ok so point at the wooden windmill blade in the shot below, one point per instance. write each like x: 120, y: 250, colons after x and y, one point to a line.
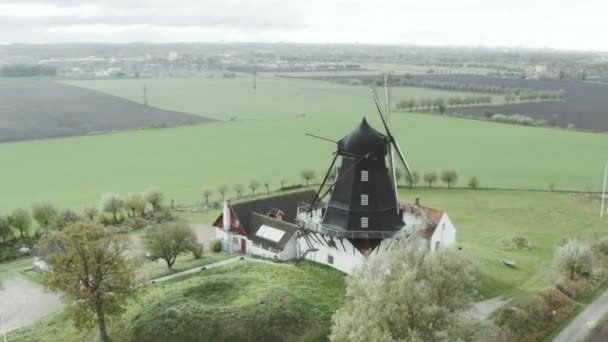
x: 390, y: 135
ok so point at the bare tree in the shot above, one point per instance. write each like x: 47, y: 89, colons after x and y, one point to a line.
x: 267, y: 186
x: 307, y: 175
x: 44, y: 214
x: 206, y: 193
x: 449, y: 177
x: 238, y: 188
x: 222, y: 190
x: 90, y: 212
x: 20, y: 219
x: 430, y: 178
x: 112, y: 203
x: 412, y: 179
x: 253, y: 185
x: 154, y: 197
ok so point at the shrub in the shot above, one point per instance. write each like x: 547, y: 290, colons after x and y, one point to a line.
x: 135, y: 223
x: 215, y: 246
x: 197, y: 250
x: 574, y: 259
x: 602, y: 247
x: 517, y: 242
x: 533, y: 316
x: 162, y: 215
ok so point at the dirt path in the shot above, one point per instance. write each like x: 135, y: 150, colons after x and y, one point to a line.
x: 214, y: 265
x: 580, y: 327
x: 23, y: 302
x: 487, y: 307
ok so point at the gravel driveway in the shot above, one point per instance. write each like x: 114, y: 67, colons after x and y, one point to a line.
x: 23, y: 302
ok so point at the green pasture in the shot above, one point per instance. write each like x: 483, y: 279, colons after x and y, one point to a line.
x: 224, y: 98
x: 483, y: 218
x: 71, y: 172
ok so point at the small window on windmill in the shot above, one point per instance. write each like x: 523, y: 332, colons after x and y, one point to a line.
x: 364, y: 222
x: 364, y: 199
x: 330, y: 259
x: 364, y: 176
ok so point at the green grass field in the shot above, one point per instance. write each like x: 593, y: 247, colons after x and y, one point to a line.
x: 71, y: 172
x: 223, y: 98
x: 243, y: 302
x: 484, y: 217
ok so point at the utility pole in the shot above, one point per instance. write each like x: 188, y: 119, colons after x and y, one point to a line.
x: 255, y: 76
x: 145, y: 95
x: 604, y: 190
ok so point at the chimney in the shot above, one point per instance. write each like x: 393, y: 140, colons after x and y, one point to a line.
x: 417, y: 201
x: 226, y: 216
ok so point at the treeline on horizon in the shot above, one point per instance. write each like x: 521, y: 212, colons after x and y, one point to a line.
x: 27, y: 70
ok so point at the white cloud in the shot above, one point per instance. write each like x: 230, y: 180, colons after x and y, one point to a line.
x: 538, y: 23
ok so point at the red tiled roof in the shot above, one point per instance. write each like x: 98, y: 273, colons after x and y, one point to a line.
x: 432, y: 215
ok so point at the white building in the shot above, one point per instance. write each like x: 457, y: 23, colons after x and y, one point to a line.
x: 264, y: 227
x: 434, y: 225
x: 279, y: 227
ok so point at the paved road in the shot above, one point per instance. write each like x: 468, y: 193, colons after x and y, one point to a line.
x: 580, y: 327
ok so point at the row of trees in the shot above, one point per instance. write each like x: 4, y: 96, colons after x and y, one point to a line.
x: 49, y: 218
x: 442, y: 104
x: 449, y: 177
x: 134, y: 205
x: 239, y: 190
x: 535, y: 95
x: 472, y: 87
x: 27, y: 70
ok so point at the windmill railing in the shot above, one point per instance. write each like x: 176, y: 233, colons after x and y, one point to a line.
x: 324, y: 229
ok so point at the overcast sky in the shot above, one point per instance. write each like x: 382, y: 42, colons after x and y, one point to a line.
x: 562, y: 24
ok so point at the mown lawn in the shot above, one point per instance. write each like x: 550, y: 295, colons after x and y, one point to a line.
x: 241, y: 302
x: 72, y: 172
x: 484, y: 217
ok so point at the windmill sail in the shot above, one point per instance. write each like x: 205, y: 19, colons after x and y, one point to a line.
x: 390, y: 135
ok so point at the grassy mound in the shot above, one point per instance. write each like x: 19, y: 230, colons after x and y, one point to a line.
x: 247, y: 301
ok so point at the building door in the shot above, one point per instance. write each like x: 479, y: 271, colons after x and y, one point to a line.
x: 243, y: 246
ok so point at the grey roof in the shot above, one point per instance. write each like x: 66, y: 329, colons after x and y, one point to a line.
x: 258, y: 220
x: 287, y: 203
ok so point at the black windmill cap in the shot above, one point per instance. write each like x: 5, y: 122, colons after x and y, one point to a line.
x: 363, y: 141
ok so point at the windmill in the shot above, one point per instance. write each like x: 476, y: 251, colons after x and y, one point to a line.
x: 363, y: 206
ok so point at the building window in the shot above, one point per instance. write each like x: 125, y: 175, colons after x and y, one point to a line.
x: 330, y: 259
x: 437, y: 245
x: 364, y: 176
x: 364, y: 199
x: 235, y: 240
x: 364, y: 222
